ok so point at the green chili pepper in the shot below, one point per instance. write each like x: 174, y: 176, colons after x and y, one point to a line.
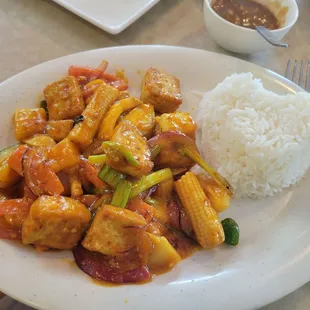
x: 231, y: 230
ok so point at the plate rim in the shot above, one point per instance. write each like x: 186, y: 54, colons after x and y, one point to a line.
x: 274, y: 74
x: 294, y: 86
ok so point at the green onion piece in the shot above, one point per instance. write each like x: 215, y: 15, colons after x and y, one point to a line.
x: 195, y: 156
x: 231, y: 230
x: 110, y: 176
x: 121, y: 194
x: 97, y: 159
x: 150, y: 180
x: 155, y: 151
x: 123, y: 150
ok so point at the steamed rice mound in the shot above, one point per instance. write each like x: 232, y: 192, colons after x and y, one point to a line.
x: 258, y: 140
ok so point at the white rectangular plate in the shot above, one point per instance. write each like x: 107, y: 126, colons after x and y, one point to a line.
x: 112, y: 16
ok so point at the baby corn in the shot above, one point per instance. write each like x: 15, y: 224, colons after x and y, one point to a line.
x: 207, y: 226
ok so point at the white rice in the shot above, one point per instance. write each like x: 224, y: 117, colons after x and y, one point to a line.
x: 258, y: 140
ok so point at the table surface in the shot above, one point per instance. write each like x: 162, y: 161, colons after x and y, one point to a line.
x: 34, y: 31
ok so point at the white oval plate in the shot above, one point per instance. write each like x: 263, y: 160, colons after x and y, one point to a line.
x: 274, y: 253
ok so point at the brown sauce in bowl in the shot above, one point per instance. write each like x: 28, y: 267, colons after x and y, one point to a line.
x: 246, y: 13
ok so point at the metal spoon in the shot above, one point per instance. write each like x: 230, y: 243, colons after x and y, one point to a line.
x: 269, y: 37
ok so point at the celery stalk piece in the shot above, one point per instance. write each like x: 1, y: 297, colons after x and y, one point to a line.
x: 150, y: 180
x: 110, y: 176
x: 121, y: 194
x: 97, y: 159
x: 196, y: 157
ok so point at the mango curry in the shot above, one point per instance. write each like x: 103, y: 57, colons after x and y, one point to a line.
x: 107, y: 175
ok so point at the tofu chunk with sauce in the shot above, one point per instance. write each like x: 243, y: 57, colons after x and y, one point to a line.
x: 127, y: 135
x: 64, y: 155
x: 114, y: 231
x: 178, y: 121
x: 55, y: 222
x: 161, y: 90
x: 58, y: 130
x: 64, y: 99
x: 28, y: 122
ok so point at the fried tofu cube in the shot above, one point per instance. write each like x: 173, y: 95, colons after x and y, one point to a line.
x: 162, y: 90
x: 58, y: 130
x: 127, y: 135
x: 64, y: 99
x: 114, y: 231
x: 178, y: 121
x: 55, y: 222
x: 29, y: 122
x: 64, y: 154
x: 83, y: 133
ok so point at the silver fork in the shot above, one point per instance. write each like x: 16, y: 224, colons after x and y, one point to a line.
x: 299, y: 73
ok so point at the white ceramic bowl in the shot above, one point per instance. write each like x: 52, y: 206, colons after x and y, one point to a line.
x: 244, y: 40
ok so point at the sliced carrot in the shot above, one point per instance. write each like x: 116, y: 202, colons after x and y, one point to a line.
x: 65, y: 181
x: 39, y: 177
x: 91, y: 174
x: 28, y: 194
x: 103, y: 66
x: 90, y: 88
x: 139, y: 206
x: 11, y: 205
x: 115, y: 81
x: 89, y: 73
x: 110, y: 77
x: 150, y: 213
x: 8, y: 231
x: 16, y: 159
x: 15, y: 211
x: 82, y: 80
x: 87, y: 200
